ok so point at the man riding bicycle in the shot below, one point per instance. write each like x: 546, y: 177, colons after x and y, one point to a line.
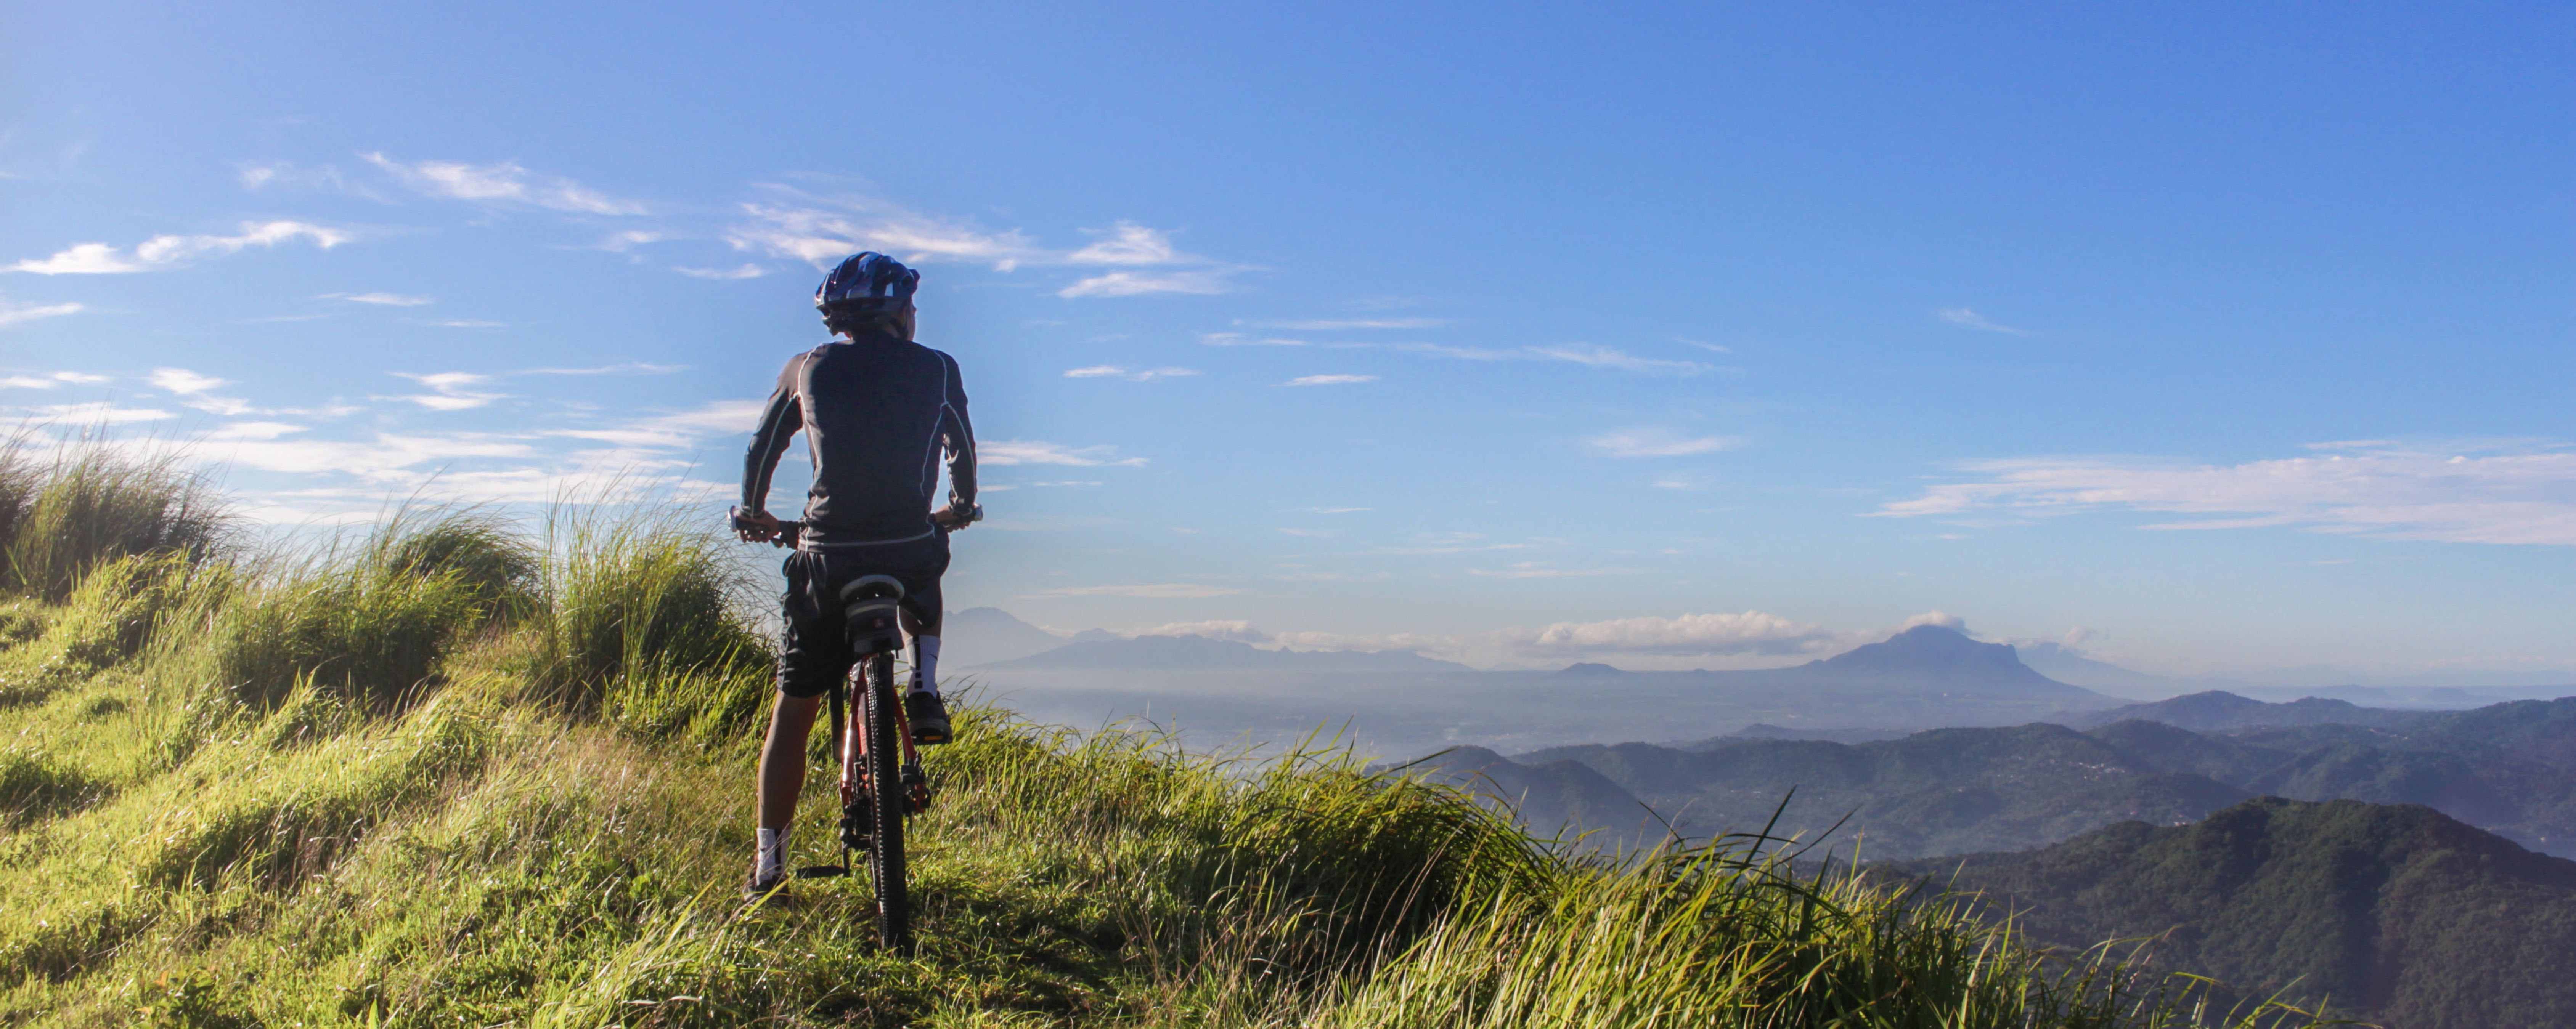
x: 877, y: 409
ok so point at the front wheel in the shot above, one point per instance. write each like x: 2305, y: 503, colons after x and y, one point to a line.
x: 887, y: 801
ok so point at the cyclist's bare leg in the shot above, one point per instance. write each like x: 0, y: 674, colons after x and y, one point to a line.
x: 782, y: 759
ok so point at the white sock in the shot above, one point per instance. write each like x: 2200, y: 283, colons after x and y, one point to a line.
x: 770, y: 860
x: 925, y: 665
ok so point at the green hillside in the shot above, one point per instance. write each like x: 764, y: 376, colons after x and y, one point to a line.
x: 451, y: 773
x: 2412, y: 917
x: 1946, y: 791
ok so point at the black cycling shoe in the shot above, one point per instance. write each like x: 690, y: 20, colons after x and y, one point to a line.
x: 766, y: 891
x: 929, y: 717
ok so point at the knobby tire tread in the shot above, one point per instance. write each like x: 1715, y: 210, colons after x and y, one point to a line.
x: 887, y: 800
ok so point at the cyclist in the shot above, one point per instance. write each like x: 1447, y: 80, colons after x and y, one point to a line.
x: 876, y: 409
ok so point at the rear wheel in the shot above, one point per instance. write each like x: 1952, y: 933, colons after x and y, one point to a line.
x: 887, y: 801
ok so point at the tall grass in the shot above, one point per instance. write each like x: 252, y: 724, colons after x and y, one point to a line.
x: 444, y: 774
x: 94, y: 504
x: 644, y: 616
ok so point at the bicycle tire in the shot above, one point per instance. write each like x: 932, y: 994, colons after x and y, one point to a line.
x: 887, y: 801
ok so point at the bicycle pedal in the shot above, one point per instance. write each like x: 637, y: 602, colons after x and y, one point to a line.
x: 822, y: 871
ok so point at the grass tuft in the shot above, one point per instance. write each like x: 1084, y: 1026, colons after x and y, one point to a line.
x: 96, y: 504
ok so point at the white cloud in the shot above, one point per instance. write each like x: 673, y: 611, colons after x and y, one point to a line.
x: 1610, y: 357
x: 1650, y: 442
x: 1155, y: 591
x: 185, y: 382
x: 12, y: 314
x: 1965, y: 318
x: 2519, y: 492
x: 823, y: 236
x: 1328, y: 380
x: 621, y: 242
x: 99, y: 413
x: 472, y: 323
x: 1943, y: 619
x: 380, y: 299
x: 1111, y: 371
x: 253, y: 430
x: 1236, y: 339
x: 80, y: 378
x: 1746, y: 639
x: 1232, y: 631
x: 735, y: 273
x: 26, y: 382
x: 1461, y: 353
x: 503, y: 183
x: 1128, y: 284
x: 82, y: 259
x: 1338, y: 324
x: 1018, y: 452
x: 678, y: 430
x: 169, y: 251
x: 449, y: 391
x: 1129, y: 243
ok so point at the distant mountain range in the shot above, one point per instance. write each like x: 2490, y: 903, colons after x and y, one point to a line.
x: 2510, y: 768
x: 1399, y: 702
x: 2395, y: 912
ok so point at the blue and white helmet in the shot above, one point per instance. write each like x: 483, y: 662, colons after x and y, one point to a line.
x: 866, y: 283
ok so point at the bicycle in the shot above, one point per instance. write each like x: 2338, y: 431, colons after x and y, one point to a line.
x: 873, y: 744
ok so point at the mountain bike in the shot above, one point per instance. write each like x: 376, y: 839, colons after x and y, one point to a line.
x: 881, y: 778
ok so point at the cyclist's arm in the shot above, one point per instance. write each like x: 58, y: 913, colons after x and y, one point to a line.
x: 957, y: 435
x: 779, y: 421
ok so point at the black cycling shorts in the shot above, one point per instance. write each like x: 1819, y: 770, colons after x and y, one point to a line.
x: 813, y: 646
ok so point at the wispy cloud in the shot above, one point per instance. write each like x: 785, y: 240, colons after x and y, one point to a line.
x: 1746, y: 639
x: 821, y: 231
x: 1236, y: 339
x: 1129, y: 244
x: 184, y: 382
x: 1340, y: 324
x: 502, y: 184
x: 1111, y: 371
x: 1655, y: 442
x: 1967, y: 319
x: 173, y: 251
x: 12, y: 314
x: 1128, y: 284
x: 449, y: 391
x: 2518, y: 492
x: 472, y: 323
x: 1612, y: 357
x: 1152, y: 591
x: 379, y: 299
x: 1019, y: 452
x: 735, y: 273
x: 1328, y: 380
x: 99, y: 413
x: 621, y: 242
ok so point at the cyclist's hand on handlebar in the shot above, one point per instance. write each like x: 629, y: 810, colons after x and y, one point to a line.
x: 756, y: 527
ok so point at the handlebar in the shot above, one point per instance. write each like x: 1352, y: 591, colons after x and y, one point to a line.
x: 789, y: 531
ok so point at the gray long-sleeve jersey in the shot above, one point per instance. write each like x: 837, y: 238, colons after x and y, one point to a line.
x: 877, y: 411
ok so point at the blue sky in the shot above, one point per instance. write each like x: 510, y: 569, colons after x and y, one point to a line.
x: 2226, y: 341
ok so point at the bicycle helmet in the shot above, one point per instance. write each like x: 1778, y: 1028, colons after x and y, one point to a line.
x: 866, y: 283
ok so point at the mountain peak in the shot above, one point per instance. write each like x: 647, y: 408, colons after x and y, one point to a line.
x: 1591, y: 668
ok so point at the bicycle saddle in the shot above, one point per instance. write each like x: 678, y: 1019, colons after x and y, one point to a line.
x: 873, y: 605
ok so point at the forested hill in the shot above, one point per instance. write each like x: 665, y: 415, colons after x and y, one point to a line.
x: 2394, y: 909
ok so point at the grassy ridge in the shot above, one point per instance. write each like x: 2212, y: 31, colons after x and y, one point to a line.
x: 451, y: 775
